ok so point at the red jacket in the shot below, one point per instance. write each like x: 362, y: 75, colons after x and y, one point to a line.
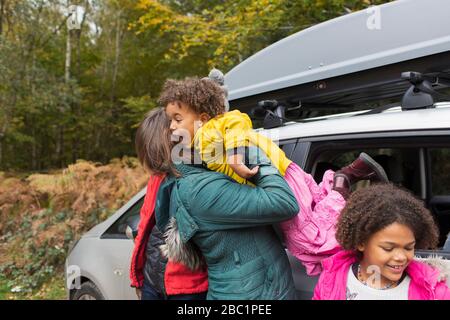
x: 178, y: 279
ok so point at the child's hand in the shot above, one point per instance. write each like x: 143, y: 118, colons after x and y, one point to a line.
x: 243, y: 171
x: 235, y: 162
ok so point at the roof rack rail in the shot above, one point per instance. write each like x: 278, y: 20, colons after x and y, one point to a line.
x: 273, y: 113
x: 421, y: 93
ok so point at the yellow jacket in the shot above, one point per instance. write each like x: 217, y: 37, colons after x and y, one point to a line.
x: 229, y: 131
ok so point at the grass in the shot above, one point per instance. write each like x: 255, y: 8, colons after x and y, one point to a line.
x: 54, y: 289
x: 4, y: 290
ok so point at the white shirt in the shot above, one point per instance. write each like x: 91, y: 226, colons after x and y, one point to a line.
x: 359, y: 291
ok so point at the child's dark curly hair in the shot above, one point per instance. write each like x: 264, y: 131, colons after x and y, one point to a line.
x: 201, y: 95
x: 371, y: 209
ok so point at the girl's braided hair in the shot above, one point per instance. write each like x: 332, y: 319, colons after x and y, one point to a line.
x: 371, y: 209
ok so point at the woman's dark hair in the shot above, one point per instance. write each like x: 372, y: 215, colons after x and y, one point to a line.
x: 153, y: 143
x: 201, y: 95
x: 371, y: 209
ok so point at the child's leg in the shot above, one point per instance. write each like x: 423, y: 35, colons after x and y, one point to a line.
x: 310, y: 236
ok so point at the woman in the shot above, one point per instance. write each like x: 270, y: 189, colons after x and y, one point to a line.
x: 153, y: 276
x: 228, y: 223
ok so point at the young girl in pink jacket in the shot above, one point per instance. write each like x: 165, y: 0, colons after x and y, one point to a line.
x: 379, y: 228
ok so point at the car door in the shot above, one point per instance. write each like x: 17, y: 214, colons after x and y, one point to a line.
x: 117, y: 249
x: 304, y: 284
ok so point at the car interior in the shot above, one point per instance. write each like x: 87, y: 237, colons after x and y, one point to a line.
x: 427, y: 179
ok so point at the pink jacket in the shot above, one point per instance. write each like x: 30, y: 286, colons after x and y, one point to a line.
x: 310, y: 235
x: 427, y: 282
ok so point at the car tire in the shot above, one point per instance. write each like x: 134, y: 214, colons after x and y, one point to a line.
x: 88, y: 291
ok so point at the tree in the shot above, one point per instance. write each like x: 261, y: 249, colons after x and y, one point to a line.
x: 223, y: 33
x: 66, y: 95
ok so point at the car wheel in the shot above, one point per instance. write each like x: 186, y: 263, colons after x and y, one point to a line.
x: 88, y: 291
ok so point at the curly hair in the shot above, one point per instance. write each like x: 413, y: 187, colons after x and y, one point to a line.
x: 201, y: 95
x: 371, y: 209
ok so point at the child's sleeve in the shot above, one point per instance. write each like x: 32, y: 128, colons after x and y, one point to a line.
x: 442, y: 291
x: 223, y: 204
x: 238, y: 128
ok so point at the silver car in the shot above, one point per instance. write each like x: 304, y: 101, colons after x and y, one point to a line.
x: 413, y: 146
x: 97, y: 266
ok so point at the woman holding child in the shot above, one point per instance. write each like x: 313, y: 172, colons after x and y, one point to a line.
x: 230, y: 224
x: 209, y: 218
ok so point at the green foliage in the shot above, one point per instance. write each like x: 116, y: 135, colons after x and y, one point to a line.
x: 4, y: 289
x: 120, y: 58
x: 36, y: 262
x: 223, y: 33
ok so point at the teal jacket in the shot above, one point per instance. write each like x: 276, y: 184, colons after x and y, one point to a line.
x: 231, y: 224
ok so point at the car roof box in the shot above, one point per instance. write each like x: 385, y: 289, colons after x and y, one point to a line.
x: 350, y: 60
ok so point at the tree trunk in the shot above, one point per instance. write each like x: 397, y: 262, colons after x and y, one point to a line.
x: 68, y: 57
x: 1, y: 152
x: 2, y: 12
x: 76, y: 105
x: 10, y: 105
x: 33, y: 92
x: 77, y: 111
x: 60, y: 138
x: 116, y: 59
x: 86, y: 8
x: 2, y: 137
x: 34, y: 151
x: 60, y: 146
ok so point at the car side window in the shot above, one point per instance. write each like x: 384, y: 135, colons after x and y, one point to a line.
x: 129, y: 218
x: 440, y: 171
x: 404, y: 163
x: 401, y: 165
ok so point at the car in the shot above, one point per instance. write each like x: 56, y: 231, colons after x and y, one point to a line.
x: 97, y: 265
x: 386, y: 97
x: 413, y: 147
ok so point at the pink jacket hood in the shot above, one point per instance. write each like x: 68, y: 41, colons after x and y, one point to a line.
x: 428, y: 278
